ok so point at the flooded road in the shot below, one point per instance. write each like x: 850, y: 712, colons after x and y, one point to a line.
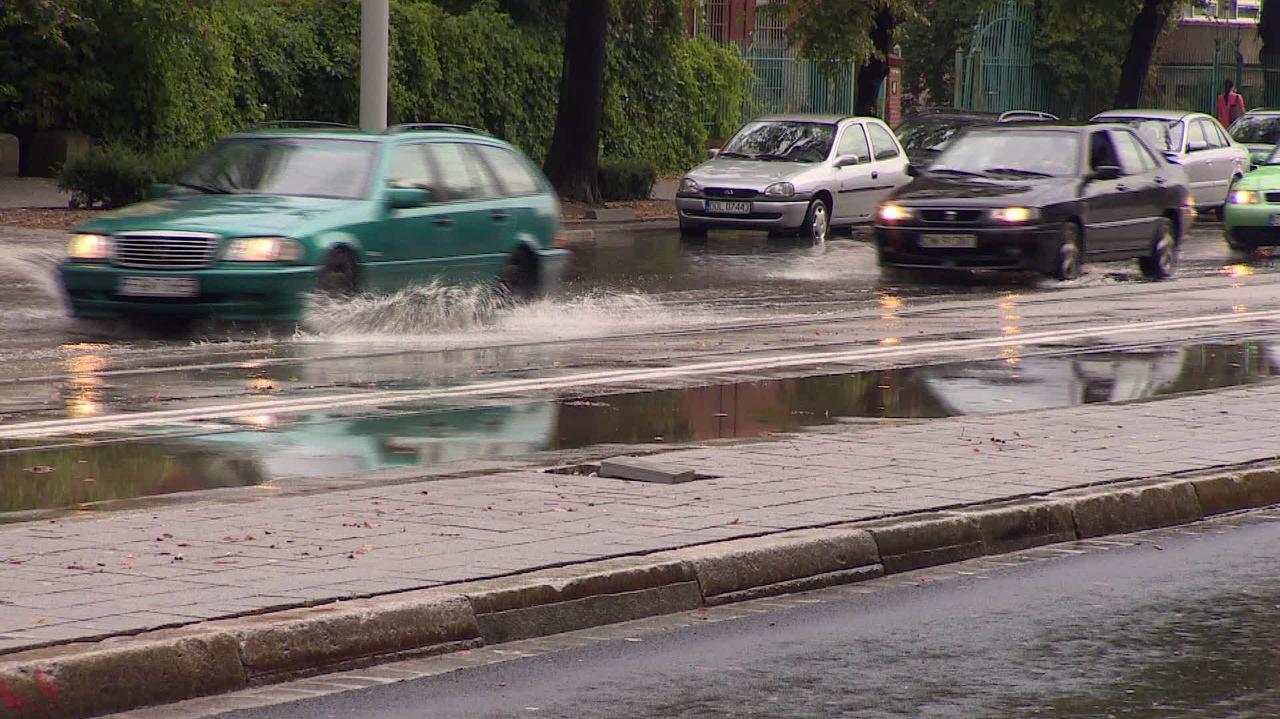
x: 1175, y: 624
x: 652, y: 342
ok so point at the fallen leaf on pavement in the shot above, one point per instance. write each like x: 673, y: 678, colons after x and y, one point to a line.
x: 40, y: 469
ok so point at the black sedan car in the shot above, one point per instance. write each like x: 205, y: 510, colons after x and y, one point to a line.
x: 1039, y: 198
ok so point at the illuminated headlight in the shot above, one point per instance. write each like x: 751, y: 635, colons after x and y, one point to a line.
x: 1014, y: 215
x: 86, y: 247
x: 1243, y: 197
x: 894, y: 213
x: 690, y: 186
x: 263, y: 249
x: 780, y: 189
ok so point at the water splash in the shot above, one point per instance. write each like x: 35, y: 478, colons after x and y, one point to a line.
x: 439, y: 313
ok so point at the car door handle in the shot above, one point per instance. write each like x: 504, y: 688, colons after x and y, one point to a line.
x: 875, y: 175
x: 500, y: 216
x: 444, y: 221
x: 1160, y: 180
x: 1122, y: 188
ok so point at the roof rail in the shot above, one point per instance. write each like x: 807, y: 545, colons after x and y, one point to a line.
x: 300, y: 123
x: 449, y: 127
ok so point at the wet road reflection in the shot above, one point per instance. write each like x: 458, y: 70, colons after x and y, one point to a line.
x: 258, y: 448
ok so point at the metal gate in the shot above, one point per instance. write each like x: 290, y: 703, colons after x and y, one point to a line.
x: 999, y: 73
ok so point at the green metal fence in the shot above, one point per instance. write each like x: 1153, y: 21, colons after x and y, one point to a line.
x: 998, y: 72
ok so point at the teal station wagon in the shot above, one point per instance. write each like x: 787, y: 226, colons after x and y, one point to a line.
x: 268, y: 216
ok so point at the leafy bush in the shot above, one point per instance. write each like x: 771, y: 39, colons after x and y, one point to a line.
x: 113, y: 175
x: 623, y: 179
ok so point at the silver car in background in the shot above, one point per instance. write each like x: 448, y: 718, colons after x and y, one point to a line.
x: 794, y: 174
x: 1197, y: 142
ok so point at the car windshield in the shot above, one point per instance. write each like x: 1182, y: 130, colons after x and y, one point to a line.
x: 1163, y: 135
x: 295, y: 166
x: 782, y: 141
x: 931, y: 135
x: 1011, y: 154
x: 1256, y: 130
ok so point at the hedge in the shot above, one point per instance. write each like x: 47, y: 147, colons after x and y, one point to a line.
x: 626, y: 179
x: 178, y: 74
x: 114, y: 174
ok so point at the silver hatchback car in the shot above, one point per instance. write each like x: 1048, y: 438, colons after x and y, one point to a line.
x: 1197, y: 142
x: 794, y: 174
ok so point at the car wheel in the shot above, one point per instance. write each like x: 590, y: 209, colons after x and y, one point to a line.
x: 1163, y: 260
x: 1068, y: 260
x: 339, y: 276
x: 519, y: 278
x: 817, y: 222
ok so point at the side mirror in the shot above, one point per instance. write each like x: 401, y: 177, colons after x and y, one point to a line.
x: 1105, y: 172
x: 1172, y: 157
x: 847, y: 160
x: 405, y: 198
x: 913, y: 170
x: 711, y: 154
x: 159, y: 191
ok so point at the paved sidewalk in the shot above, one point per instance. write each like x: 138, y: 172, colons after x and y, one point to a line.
x: 16, y: 192
x: 124, y: 572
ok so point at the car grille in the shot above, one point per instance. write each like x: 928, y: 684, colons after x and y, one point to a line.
x: 950, y: 217
x: 170, y: 251
x: 730, y: 193
x: 1273, y: 196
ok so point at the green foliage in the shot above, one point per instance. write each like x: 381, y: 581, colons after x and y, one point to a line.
x: 181, y: 73
x: 660, y: 85
x: 832, y: 33
x: 113, y: 175
x: 930, y: 39
x: 1082, y: 44
x: 625, y: 179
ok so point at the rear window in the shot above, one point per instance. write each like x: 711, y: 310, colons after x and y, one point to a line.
x: 1163, y: 135
x: 931, y: 135
x: 1257, y: 130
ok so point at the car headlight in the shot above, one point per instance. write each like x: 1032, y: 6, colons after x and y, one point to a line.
x: 1243, y: 197
x: 890, y: 212
x: 780, y: 189
x: 1015, y: 215
x: 87, y: 247
x: 690, y: 186
x: 263, y: 249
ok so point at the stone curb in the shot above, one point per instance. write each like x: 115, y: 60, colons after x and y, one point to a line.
x: 86, y: 679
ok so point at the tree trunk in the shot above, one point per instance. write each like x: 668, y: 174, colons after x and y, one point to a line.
x: 872, y: 74
x: 1269, y: 33
x: 1147, y: 27
x: 574, y: 156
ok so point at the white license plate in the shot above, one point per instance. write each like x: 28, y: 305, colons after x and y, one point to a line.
x: 949, y: 241
x: 730, y: 208
x: 135, y: 286
x: 1275, y: 219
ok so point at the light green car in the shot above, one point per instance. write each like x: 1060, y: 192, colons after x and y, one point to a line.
x: 266, y: 217
x: 1252, y: 217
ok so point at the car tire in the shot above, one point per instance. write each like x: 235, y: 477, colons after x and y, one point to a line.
x: 817, y: 222
x: 1068, y: 255
x: 519, y: 279
x: 1163, y: 260
x: 340, y: 274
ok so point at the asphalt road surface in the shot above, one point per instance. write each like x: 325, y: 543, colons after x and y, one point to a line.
x: 1176, y: 623
x: 433, y: 376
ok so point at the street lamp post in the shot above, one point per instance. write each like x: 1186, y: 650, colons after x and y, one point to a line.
x: 375, y: 31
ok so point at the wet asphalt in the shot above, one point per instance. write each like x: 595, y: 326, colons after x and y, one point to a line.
x: 632, y: 300
x: 1173, y: 624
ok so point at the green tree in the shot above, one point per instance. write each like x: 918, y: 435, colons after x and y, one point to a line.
x: 1151, y: 20
x: 930, y: 38
x: 1269, y: 34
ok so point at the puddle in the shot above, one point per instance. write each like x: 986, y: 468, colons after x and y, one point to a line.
x: 270, y: 448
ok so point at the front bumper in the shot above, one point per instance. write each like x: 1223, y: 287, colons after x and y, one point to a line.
x: 1251, y: 225
x: 249, y: 293
x: 1028, y: 248
x: 765, y: 214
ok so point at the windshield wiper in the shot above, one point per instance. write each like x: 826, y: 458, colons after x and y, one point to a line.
x: 952, y: 171
x: 734, y: 154
x: 206, y: 189
x: 771, y: 156
x: 1014, y: 171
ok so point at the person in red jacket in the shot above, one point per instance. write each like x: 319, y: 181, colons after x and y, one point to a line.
x: 1230, y: 104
